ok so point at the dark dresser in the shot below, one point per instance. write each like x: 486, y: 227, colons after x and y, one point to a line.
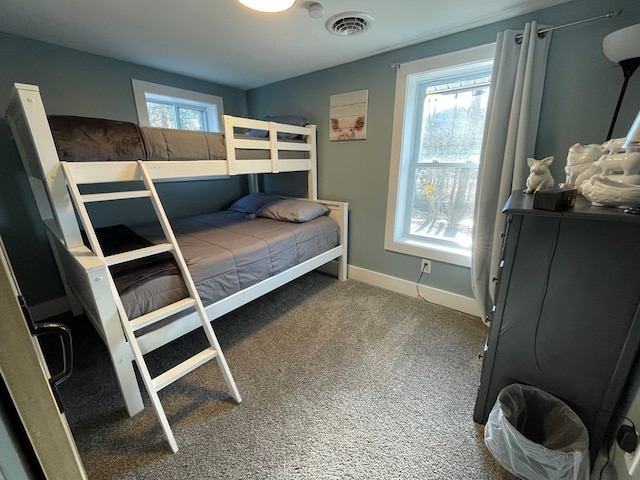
x: 566, y: 317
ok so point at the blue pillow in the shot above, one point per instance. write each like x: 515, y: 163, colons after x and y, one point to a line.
x: 253, y: 202
x: 287, y: 119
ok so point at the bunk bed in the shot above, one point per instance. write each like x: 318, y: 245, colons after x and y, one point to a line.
x: 47, y: 147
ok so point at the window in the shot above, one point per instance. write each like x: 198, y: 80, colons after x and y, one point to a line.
x: 169, y: 107
x: 440, y: 108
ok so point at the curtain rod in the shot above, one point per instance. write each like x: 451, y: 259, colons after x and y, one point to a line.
x: 542, y: 31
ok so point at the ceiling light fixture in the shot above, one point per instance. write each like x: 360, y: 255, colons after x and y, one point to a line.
x: 268, y: 6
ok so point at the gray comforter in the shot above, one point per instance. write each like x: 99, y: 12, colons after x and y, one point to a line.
x: 227, y: 252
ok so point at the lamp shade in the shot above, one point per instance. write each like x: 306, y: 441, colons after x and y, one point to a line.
x: 622, y: 44
x: 269, y: 6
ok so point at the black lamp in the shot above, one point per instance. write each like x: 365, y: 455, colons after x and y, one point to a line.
x: 623, y: 48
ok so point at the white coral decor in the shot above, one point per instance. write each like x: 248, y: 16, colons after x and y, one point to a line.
x: 603, y: 192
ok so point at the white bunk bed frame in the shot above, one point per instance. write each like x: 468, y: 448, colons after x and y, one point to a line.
x: 83, y: 273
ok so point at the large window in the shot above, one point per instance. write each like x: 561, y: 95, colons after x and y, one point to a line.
x: 169, y: 107
x: 440, y: 109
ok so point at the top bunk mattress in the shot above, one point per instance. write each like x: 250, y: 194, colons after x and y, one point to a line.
x: 84, y: 139
x: 225, y: 252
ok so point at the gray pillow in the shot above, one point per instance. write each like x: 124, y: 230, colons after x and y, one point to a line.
x: 291, y: 210
x: 253, y: 202
x: 297, y: 120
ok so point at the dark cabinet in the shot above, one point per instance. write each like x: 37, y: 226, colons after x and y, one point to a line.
x: 566, y: 317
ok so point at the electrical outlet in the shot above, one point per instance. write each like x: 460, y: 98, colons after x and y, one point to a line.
x: 632, y: 460
x: 425, y: 266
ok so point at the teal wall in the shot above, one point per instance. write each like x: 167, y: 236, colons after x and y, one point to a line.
x: 581, y: 90
x: 76, y: 83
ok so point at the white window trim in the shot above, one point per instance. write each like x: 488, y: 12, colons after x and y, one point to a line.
x: 140, y: 88
x: 441, y: 253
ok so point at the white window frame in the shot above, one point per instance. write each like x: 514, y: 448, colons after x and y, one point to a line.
x: 401, y: 148
x: 212, y: 104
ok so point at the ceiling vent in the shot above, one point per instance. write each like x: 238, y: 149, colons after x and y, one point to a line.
x: 349, y: 24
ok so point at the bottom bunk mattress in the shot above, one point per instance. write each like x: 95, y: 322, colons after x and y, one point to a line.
x: 225, y: 252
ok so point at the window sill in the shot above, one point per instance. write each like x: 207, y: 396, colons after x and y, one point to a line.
x: 439, y: 253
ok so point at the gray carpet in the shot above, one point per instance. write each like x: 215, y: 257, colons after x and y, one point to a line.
x: 339, y: 380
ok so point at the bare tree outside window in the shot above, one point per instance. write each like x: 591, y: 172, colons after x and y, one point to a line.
x: 161, y: 115
x: 173, y: 115
x: 446, y: 168
x: 438, y: 125
x: 191, y: 119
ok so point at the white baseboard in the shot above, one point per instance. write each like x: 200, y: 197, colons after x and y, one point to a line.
x: 454, y: 301
x: 440, y: 297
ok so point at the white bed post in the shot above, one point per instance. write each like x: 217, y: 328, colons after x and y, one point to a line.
x: 30, y: 127
x: 344, y: 229
x: 339, y: 210
x: 230, y: 146
x: 110, y: 329
x: 274, y: 140
x: 28, y: 121
x: 26, y: 114
x: 312, y: 182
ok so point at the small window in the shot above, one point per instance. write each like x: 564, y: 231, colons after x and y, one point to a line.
x: 441, y: 104
x: 169, y: 107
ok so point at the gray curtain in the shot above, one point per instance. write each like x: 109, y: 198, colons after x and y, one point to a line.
x: 509, y: 139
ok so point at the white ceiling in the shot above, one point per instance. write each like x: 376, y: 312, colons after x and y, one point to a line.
x: 222, y: 41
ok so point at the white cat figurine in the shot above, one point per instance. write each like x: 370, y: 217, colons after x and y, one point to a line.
x: 539, y: 176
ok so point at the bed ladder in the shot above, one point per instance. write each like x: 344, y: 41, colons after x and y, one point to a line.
x: 131, y: 326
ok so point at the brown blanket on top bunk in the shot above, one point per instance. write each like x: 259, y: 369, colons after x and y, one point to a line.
x: 80, y: 139
x: 83, y: 139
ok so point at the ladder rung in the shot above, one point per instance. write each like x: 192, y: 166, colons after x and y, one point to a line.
x: 183, y: 368
x: 139, y: 253
x: 103, y: 197
x: 162, y: 313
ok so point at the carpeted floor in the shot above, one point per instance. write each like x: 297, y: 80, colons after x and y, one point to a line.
x: 338, y: 380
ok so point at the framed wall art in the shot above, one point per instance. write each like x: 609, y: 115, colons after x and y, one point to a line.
x: 348, y: 116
